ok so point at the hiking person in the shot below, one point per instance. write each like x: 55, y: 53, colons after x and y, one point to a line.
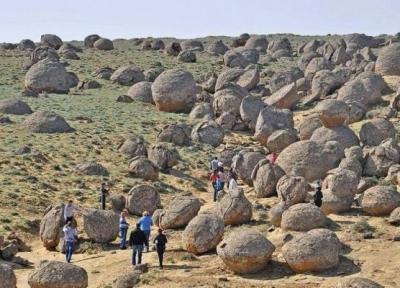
x: 104, y: 192
x: 214, y: 164
x: 232, y: 185
x: 214, y: 180
x: 136, y: 241
x: 318, y: 197
x: 123, y: 230
x: 272, y: 158
x: 145, y: 225
x: 160, y: 241
x: 69, y: 212
x: 221, y: 178
x: 69, y: 237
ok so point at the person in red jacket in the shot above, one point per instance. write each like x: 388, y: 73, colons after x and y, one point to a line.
x: 214, y: 182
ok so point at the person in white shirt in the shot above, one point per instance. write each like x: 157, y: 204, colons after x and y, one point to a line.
x: 232, y: 181
x: 69, y: 211
x: 69, y: 237
x: 214, y: 164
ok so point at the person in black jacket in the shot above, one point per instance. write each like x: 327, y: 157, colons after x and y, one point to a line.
x: 318, y: 197
x: 160, y: 241
x: 136, y: 240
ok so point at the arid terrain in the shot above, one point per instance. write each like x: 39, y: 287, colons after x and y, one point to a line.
x: 46, y: 173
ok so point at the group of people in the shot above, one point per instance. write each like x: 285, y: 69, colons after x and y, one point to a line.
x: 218, y: 178
x: 138, y: 240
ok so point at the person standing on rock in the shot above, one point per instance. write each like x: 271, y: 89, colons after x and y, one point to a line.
x: 69, y: 212
x: 160, y: 242
x: 69, y: 237
x: 136, y: 240
x: 104, y: 192
x: 123, y: 229
x: 318, y: 196
x: 145, y: 225
x: 214, y: 164
x: 214, y: 180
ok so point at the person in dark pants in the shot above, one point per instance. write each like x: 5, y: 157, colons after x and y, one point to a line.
x: 318, y: 197
x: 214, y: 180
x: 136, y: 240
x: 123, y: 230
x: 104, y: 192
x: 160, y: 242
x: 69, y: 237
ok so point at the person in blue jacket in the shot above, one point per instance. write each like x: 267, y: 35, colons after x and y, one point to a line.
x: 145, y: 225
x: 123, y: 230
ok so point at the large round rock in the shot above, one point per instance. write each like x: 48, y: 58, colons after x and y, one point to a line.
x: 15, y: 107
x: 142, y: 198
x: 141, y: 92
x: 101, y: 226
x: 388, y: 62
x: 373, y: 132
x: 310, y: 159
x: 54, y: 274
x: 341, y: 182
x: 316, y: 250
x: 380, y: 200
x: 92, y: 168
x: 174, y: 91
x: 292, y: 189
x: 244, y: 163
x: 265, y: 176
x: 47, y: 122
x: 127, y: 75
x: 164, y: 156
x: 208, y: 132
x: 51, y: 40
x: 49, y: 76
x: 302, y: 217
x: 178, y: 134
x: 50, y: 226
x: 90, y: 39
x: 180, y: 211
x: 133, y: 146
x: 7, y: 277
x: 235, y: 208
x: 203, y: 233
x: 332, y: 112
x: 341, y: 134
x: 245, y: 251
x: 141, y: 167
x: 103, y: 44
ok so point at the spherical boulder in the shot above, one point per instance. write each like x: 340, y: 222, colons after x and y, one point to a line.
x: 202, y: 111
x: 374, y: 131
x: 302, y: 217
x: 332, y: 112
x: 141, y: 167
x: 217, y: 48
x: 380, y: 200
x: 47, y: 122
x: 341, y: 182
x: 394, y: 218
x: 90, y: 40
x: 280, y: 139
x: 143, y: 198
x: 173, y: 48
x: 127, y: 75
x: 270, y: 120
x: 174, y: 91
x: 250, y: 107
x: 203, y: 233
x: 179, y: 212
x: 134, y: 145
x: 308, y: 125
x: 15, y: 107
x: 164, y: 156
x: 26, y: 45
x: 310, y: 159
x: 245, y: 251
x: 141, y: 92
x: 275, y: 213
x: 101, y: 226
x: 379, y: 159
x: 208, y: 132
x: 187, y: 56
x: 51, y: 40
x: 316, y: 250
x: 51, y: 225
x: 292, y: 189
x: 7, y: 277
x: 244, y: 162
x: 235, y: 59
x: 178, y: 134
x: 284, y: 98
x: 103, y: 44
x: 54, y: 274
x: 49, y: 76
x: 341, y: 134
x: 92, y: 169
x: 388, y: 61
x: 265, y: 176
x: 234, y: 208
